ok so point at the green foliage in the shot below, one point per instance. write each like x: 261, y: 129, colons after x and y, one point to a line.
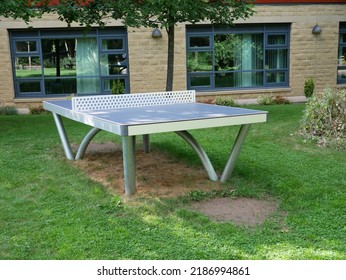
x: 225, y: 101
x: 228, y: 50
x: 266, y: 99
x: 134, y: 13
x: 199, y: 61
x: 167, y: 13
x: 325, y: 117
x: 309, y: 87
x: 20, y: 9
x: 118, y: 87
x: 7, y: 110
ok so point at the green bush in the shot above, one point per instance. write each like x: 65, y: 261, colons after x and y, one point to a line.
x: 7, y: 110
x: 266, y: 99
x: 309, y: 87
x: 118, y: 87
x: 225, y: 101
x: 324, y: 118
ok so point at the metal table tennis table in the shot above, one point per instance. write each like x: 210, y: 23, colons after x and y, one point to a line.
x: 131, y: 115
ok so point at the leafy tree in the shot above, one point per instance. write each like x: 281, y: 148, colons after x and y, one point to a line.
x: 163, y: 14
x: 19, y: 9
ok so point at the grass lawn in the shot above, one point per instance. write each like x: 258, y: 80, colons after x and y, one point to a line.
x: 50, y: 210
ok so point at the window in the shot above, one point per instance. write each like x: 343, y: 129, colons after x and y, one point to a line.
x: 237, y: 57
x: 341, y: 68
x: 62, y: 62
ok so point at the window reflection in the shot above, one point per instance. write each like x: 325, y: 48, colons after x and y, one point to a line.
x: 70, y: 62
x: 28, y: 67
x: 238, y: 57
x: 25, y: 46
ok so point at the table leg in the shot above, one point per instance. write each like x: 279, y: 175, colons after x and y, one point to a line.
x: 200, y: 153
x: 244, y: 129
x: 129, y: 159
x: 146, y: 143
x: 84, y: 145
x: 63, y: 136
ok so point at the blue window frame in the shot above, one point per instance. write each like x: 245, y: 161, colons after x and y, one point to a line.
x: 341, y: 68
x: 244, y: 56
x: 63, y: 62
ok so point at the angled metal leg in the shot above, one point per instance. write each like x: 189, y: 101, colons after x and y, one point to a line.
x: 146, y: 143
x: 129, y: 159
x: 200, y: 152
x: 244, y: 129
x: 84, y: 145
x: 63, y: 136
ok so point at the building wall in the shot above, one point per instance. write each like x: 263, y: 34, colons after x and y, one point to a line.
x: 311, y: 56
x: 148, y: 60
x: 6, y: 81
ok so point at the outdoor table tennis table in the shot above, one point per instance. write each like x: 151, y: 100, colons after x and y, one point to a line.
x: 130, y: 115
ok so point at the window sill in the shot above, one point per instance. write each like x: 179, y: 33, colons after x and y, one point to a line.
x: 18, y: 100
x: 341, y: 86
x: 244, y: 91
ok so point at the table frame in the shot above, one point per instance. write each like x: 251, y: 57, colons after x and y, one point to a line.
x: 129, y: 153
x: 128, y: 137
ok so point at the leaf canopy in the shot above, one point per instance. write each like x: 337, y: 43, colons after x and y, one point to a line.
x: 133, y: 13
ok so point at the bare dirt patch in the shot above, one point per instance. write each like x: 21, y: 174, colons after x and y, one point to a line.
x: 241, y: 211
x: 159, y: 175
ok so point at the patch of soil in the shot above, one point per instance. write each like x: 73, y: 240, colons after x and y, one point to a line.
x: 241, y: 211
x: 159, y: 175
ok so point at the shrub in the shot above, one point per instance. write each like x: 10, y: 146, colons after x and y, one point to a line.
x: 324, y: 118
x: 7, y: 110
x: 225, y: 101
x: 309, y: 87
x: 281, y: 100
x: 266, y: 99
x: 37, y: 110
x: 118, y: 87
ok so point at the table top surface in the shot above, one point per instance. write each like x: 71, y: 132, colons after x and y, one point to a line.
x: 162, y: 115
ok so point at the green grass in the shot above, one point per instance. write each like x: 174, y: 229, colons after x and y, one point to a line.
x: 50, y: 210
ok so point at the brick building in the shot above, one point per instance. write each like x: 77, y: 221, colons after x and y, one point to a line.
x: 275, y: 51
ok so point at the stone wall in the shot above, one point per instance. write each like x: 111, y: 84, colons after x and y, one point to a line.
x: 6, y: 80
x: 148, y: 60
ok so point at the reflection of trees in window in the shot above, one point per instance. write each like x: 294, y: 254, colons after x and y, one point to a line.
x: 238, y: 52
x: 113, y: 64
x: 25, y: 46
x: 341, y: 66
x: 199, y: 41
x: 238, y: 57
x: 52, y: 62
x: 199, y: 61
x: 112, y: 44
x: 58, y: 54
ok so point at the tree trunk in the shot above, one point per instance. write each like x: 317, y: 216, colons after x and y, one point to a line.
x: 170, y: 59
